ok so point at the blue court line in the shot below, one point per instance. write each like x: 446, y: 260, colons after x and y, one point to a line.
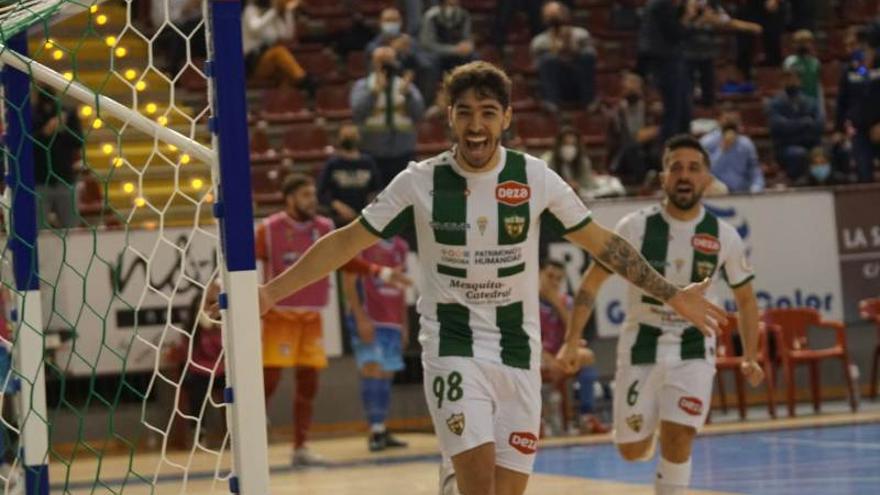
x: 841, y: 459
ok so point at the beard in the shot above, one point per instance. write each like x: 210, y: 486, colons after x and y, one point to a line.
x: 478, y: 157
x: 684, y: 196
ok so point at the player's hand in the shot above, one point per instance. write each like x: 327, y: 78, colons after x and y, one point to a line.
x: 399, y: 279
x: 568, y: 357
x: 691, y: 303
x: 752, y: 371
x: 365, y: 328
x: 380, y: 82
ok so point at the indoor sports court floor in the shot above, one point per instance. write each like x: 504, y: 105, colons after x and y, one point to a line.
x: 831, y: 453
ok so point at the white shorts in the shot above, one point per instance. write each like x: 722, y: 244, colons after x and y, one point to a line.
x: 474, y: 402
x: 679, y: 392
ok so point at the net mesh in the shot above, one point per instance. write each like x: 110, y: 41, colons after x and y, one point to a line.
x: 133, y: 368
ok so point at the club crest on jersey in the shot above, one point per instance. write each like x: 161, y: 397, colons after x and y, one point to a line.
x: 705, y: 269
x: 635, y: 422
x: 456, y: 423
x: 706, y: 244
x: 512, y: 193
x: 691, y: 405
x: 514, y: 225
x: 482, y: 223
x: 523, y: 441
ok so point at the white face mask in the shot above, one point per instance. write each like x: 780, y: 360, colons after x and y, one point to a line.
x: 568, y: 152
x: 391, y: 28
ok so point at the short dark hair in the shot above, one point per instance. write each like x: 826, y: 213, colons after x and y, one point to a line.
x: 685, y: 141
x: 555, y: 263
x: 487, y: 80
x: 293, y: 182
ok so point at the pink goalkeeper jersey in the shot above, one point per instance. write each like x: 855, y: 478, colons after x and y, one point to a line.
x: 286, y: 240
x: 384, y: 302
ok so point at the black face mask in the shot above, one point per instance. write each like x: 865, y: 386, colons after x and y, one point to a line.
x: 803, y: 51
x: 632, y: 98
x: 792, y: 90
x: 349, y: 144
x: 555, y: 22
x: 391, y: 68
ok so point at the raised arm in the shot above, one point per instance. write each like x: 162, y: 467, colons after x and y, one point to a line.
x: 327, y: 254
x: 584, y: 301
x: 614, y: 252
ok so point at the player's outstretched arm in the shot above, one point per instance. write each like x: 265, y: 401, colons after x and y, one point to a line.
x: 327, y: 254
x: 617, y: 254
x: 747, y: 306
x: 584, y: 301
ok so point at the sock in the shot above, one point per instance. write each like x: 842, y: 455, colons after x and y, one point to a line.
x: 303, y: 404
x: 586, y: 380
x: 383, y: 400
x: 368, y: 396
x: 672, y: 478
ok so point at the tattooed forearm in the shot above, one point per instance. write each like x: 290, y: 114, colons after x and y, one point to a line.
x: 621, y: 257
x: 584, y: 299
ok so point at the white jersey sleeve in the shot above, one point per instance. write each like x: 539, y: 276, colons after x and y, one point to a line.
x: 736, y: 264
x: 564, y: 204
x: 390, y: 208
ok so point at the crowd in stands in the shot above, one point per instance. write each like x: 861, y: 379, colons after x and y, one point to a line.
x: 782, y: 93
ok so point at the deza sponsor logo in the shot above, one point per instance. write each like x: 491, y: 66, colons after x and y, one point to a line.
x: 512, y: 193
x: 523, y: 441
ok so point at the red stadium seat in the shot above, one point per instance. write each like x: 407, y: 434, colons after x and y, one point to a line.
x: 332, y: 102
x: 324, y: 8
x: 537, y: 130
x: 520, y: 97
x: 483, y: 6
x: 306, y: 142
x: 265, y: 181
x: 322, y: 65
x: 433, y: 136
x: 790, y: 326
x: 521, y: 60
x: 727, y: 359
x: 285, y: 105
x: 356, y: 64
x: 372, y: 8
x: 869, y: 309
x: 591, y: 126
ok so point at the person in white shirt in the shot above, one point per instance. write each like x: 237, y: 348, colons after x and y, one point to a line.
x: 267, y: 25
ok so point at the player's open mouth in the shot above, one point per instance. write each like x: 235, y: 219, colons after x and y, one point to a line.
x: 684, y: 188
x: 476, y: 144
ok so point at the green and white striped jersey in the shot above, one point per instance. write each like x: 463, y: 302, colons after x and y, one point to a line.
x: 477, y: 237
x: 683, y: 252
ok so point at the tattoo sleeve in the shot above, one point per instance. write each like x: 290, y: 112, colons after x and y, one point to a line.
x: 622, y: 257
x: 584, y: 299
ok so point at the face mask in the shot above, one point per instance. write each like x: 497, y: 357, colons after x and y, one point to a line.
x: 632, y: 98
x: 205, y: 320
x: 349, y: 144
x: 391, y: 28
x: 803, y: 51
x: 820, y: 172
x: 554, y: 22
x: 568, y: 152
x: 792, y: 90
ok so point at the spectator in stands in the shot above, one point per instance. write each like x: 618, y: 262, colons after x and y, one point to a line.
x: 409, y: 55
x: 447, y: 38
x: 414, y: 10
x: 733, y: 155
x: 661, y: 53
x: 349, y: 179
x: 770, y: 14
x: 569, y: 159
x: 566, y: 60
x: 796, y: 125
x: 633, y: 133
x: 808, y: 67
x: 387, y: 106
x: 268, y: 25
x: 58, y: 137
x: 185, y: 15
x: 555, y: 313
x: 504, y: 13
x: 858, y: 103
x: 821, y: 173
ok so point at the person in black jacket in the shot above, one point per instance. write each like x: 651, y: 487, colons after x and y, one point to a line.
x: 349, y: 179
x: 858, y: 102
x: 57, y: 136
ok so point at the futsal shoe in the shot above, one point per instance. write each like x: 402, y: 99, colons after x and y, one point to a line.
x: 303, y: 457
x: 377, y: 442
x: 393, y: 442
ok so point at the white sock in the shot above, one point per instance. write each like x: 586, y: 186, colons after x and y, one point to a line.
x: 672, y: 478
x: 448, y: 484
x: 377, y: 428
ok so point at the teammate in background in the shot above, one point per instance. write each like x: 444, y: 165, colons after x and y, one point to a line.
x: 292, y: 334
x: 665, y: 366
x: 555, y: 314
x: 477, y: 210
x: 379, y: 337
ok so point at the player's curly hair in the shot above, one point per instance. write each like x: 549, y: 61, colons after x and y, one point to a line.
x: 487, y: 80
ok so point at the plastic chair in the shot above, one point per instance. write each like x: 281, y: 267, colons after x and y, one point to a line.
x: 727, y: 359
x: 306, y: 142
x: 537, y: 130
x: 332, y: 102
x: 869, y: 309
x: 282, y: 105
x: 791, y: 325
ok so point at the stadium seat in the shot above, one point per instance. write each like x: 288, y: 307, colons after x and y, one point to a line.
x: 356, y: 64
x: 791, y: 326
x: 323, y: 8
x: 433, y: 136
x: 728, y: 359
x: 372, y: 8
x: 520, y: 97
x: 592, y: 128
x: 266, y: 181
x: 306, y: 142
x: 521, y: 60
x: 537, y: 130
x: 869, y: 309
x: 322, y: 65
x: 332, y: 102
x: 283, y: 105
x: 482, y: 6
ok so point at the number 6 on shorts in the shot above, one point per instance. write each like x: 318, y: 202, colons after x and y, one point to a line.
x: 450, y: 387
